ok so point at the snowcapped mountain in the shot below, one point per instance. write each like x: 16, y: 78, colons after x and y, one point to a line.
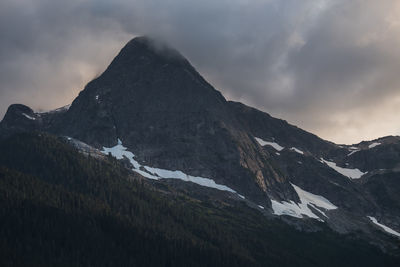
x: 152, y: 109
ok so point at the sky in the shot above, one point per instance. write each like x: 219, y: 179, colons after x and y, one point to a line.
x: 331, y: 67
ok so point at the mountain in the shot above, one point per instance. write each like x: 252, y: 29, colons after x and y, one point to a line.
x: 153, y: 100
x: 60, y: 207
x: 152, y: 110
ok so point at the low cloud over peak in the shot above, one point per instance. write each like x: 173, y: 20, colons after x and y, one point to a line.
x: 330, y: 67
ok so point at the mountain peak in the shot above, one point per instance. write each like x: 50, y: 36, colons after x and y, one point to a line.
x: 147, y: 69
x: 144, y: 46
x: 150, y: 43
x: 146, y: 78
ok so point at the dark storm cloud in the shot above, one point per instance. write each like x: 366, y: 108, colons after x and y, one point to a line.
x: 49, y: 49
x: 329, y: 66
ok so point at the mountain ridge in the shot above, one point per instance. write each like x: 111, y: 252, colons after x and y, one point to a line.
x: 151, y: 101
x: 61, y: 207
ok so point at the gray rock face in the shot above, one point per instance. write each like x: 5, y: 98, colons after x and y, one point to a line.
x: 18, y: 118
x: 152, y: 99
x: 262, y: 125
x: 163, y: 111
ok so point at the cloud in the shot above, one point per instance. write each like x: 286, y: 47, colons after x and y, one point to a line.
x: 327, y: 66
x: 50, y: 49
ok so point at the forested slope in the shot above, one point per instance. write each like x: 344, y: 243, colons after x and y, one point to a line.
x: 61, y: 208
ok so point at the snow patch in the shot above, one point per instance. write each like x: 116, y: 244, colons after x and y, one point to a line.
x: 384, y: 227
x: 64, y: 108
x: 261, y: 207
x: 374, y: 145
x: 29, y: 117
x: 167, y: 174
x: 287, y: 208
x: 278, y: 153
x: 307, y: 200
x: 276, y: 146
x: 314, y: 200
x: 352, y: 152
x: 84, y: 148
x: 119, y: 152
x: 351, y: 173
x: 297, y: 150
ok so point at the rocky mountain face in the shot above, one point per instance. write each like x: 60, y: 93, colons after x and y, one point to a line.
x: 362, y: 179
x: 151, y: 102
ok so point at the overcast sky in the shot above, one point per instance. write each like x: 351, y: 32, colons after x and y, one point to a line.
x: 330, y: 67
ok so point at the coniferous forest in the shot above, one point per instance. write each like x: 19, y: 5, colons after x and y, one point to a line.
x: 59, y: 207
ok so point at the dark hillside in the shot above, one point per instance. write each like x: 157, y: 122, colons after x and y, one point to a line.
x: 60, y: 208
